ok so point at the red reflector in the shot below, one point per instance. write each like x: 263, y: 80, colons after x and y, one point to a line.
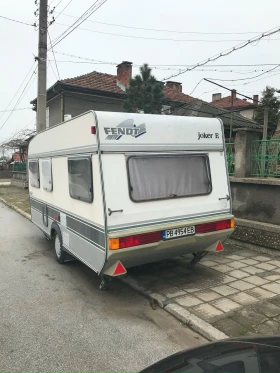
x: 139, y: 239
x: 212, y: 227
x: 219, y: 247
x: 54, y: 218
x: 93, y: 130
x: 119, y: 270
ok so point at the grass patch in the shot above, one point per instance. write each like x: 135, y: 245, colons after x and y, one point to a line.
x: 18, y: 197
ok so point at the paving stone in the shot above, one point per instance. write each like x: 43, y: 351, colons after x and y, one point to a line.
x: 224, y: 268
x: 222, y: 260
x: 267, y: 308
x: 261, y: 258
x: 227, y: 279
x: 248, y: 317
x: 229, y: 327
x: 275, y: 288
x: 234, y: 257
x: 274, y: 262
x: 260, y: 293
x: 265, y: 266
x: 237, y: 265
x: 249, y: 262
x: 225, y: 304
x: 176, y: 292
x: 206, y: 311
x: 273, y: 277
x: 191, y: 289
x: 224, y: 290
x: 277, y: 270
x: 207, y: 296
x: 241, y: 285
x: 208, y: 263
x: 248, y: 254
x: 188, y: 301
x: 270, y: 327
x: 238, y: 274
x: 255, y: 280
x: 243, y: 298
x: 275, y: 300
x: 253, y: 270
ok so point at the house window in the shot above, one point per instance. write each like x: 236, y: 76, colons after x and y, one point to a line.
x: 34, y: 174
x: 47, y: 175
x: 47, y: 117
x: 80, y: 178
x: 164, y: 177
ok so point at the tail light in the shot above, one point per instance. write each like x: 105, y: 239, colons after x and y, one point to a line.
x: 136, y: 240
x: 214, y: 226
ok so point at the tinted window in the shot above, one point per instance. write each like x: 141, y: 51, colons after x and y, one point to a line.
x: 47, y: 175
x: 34, y: 175
x: 162, y: 177
x: 80, y: 178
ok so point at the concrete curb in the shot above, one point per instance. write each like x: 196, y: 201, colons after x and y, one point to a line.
x: 195, y: 323
x: 21, y: 212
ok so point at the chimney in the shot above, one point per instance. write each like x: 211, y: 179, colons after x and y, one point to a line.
x: 256, y: 99
x: 216, y: 96
x: 233, y: 94
x: 124, y: 73
x: 174, y: 85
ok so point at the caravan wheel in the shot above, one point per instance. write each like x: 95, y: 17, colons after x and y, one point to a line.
x: 58, y: 250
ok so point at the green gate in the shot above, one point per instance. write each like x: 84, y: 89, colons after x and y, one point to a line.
x: 265, y: 158
x: 230, y: 151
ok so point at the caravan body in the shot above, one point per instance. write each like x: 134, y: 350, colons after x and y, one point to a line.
x: 131, y: 188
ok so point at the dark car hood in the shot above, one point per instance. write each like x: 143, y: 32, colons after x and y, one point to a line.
x: 242, y: 355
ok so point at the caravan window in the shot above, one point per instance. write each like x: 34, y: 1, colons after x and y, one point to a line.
x: 170, y: 176
x: 47, y: 175
x: 34, y: 174
x: 80, y: 178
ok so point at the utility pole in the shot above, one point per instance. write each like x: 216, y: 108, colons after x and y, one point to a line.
x: 265, y: 126
x: 42, y: 66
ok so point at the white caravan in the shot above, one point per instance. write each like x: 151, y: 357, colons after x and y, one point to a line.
x: 116, y: 190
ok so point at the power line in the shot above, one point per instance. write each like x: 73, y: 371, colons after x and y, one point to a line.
x: 19, y: 99
x: 19, y: 109
x: 14, y: 20
x: 252, y: 77
x: 76, y: 24
x: 196, y: 87
x: 159, y: 39
x: 18, y: 89
x: 164, y: 30
x: 53, y: 55
x: 66, y: 6
x: 227, y: 52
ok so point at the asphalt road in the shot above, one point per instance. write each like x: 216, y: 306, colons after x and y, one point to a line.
x: 54, y: 318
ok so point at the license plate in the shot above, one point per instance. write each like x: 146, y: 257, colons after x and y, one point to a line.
x: 178, y: 232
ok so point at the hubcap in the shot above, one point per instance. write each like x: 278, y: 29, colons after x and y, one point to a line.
x: 57, y: 246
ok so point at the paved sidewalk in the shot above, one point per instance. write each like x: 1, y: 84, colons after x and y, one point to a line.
x: 235, y: 291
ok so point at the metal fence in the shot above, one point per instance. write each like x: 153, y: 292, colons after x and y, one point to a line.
x: 265, y: 158
x: 230, y: 151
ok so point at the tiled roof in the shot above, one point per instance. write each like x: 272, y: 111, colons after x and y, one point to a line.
x: 108, y: 82
x: 225, y: 102
x: 96, y: 80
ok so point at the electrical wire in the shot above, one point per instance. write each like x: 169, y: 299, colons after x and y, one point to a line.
x: 76, y: 24
x: 53, y: 54
x: 19, y: 109
x: 18, y: 89
x: 19, y: 99
x: 163, y: 30
x: 160, y: 39
x: 196, y: 87
x: 66, y: 6
x: 252, y: 77
x: 14, y: 20
x: 227, y: 52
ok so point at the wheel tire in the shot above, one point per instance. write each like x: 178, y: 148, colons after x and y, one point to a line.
x: 58, y: 250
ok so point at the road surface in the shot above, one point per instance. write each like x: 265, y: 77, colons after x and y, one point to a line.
x: 54, y: 317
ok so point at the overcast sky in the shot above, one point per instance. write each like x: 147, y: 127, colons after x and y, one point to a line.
x: 19, y: 45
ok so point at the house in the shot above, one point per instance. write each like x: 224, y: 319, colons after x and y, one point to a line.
x: 105, y: 92
x: 242, y: 106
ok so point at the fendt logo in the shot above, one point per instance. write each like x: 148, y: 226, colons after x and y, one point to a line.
x: 126, y: 128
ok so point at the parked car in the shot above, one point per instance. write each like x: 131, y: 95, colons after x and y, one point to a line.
x: 245, y: 355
